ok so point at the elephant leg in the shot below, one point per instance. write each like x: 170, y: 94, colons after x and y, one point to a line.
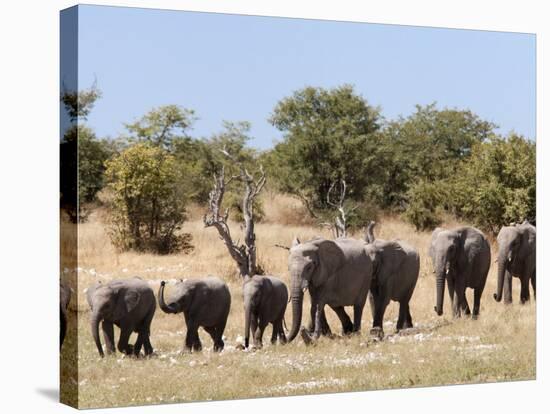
x: 357, y: 316
x: 380, y: 304
x: 534, y: 285
x: 347, y: 326
x: 404, y: 315
x: 458, y: 298
x: 219, y: 335
x: 371, y: 303
x: 192, y: 341
x: 477, y: 300
x: 63, y: 327
x: 282, y: 336
x: 318, y: 320
x: 253, y: 328
x: 507, y: 288
x: 188, y: 340
x: 409, y: 320
x: 524, y: 293
x: 122, y: 345
x: 213, y: 332
x: 139, y: 343
x: 147, y: 345
x: 465, y: 306
x: 259, y: 334
x: 275, y: 332
x: 109, y: 336
x: 451, y: 288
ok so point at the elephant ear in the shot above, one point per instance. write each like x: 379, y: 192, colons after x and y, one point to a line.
x: 435, y: 233
x: 330, y: 258
x: 127, y: 301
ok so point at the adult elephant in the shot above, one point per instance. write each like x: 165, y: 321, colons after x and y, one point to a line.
x: 129, y: 304
x: 516, y: 257
x: 462, y: 256
x: 395, y: 272
x: 336, y: 273
x: 204, y: 302
x: 64, y: 299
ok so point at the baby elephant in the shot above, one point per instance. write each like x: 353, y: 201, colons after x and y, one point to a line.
x: 129, y: 304
x: 204, y: 302
x: 265, y: 299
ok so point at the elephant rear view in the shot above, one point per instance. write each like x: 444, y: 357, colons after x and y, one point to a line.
x: 462, y: 257
x: 129, y: 304
x: 205, y: 303
x: 265, y: 299
x: 395, y: 272
x: 516, y: 257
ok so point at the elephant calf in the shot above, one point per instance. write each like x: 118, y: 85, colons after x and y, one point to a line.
x: 129, y: 304
x: 395, y: 272
x: 265, y: 299
x: 204, y: 303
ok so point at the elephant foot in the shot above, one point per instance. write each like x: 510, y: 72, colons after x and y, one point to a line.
x: 475, y: 316
x: 377, y: 332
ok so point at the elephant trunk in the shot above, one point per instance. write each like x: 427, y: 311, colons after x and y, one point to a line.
x: 297, y: 298
x: 95, y: 333
x: 440, y: 289
x: 167, y: 308
x: 502, y: 259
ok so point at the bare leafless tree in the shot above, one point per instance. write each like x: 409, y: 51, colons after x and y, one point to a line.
x: 244, y: 254
x: 339, y: 226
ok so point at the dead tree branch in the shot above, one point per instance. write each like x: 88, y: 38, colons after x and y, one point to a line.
x: 339, y: 227
x: 243, y: 254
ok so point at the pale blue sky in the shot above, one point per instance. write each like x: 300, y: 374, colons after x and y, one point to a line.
x: 231, y: 67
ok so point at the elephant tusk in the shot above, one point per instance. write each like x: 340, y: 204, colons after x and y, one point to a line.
x: 446, y: 271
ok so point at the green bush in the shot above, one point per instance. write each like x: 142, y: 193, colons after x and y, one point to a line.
x: 424, y: 205
x: 148, y: 206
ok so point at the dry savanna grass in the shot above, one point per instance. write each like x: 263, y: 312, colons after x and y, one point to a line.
x: 499, y: 346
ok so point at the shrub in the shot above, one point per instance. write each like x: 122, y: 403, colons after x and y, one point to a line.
x: 147, y: 206
x: 425, y: 199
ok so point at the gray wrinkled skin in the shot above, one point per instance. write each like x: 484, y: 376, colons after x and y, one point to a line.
x: 204, y: 303
x: 336, y: 273
x: 395, y: 272
x: 516, y: 257
x: 129, y: 304
x: 462, y: 257
x: 265, y: 299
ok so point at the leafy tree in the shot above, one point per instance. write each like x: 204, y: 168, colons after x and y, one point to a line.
x: 424, y: 204
x: 148, y: 206
x: 327, y: 138
x: 497, y: 184
x: 162, y: 125
x: 92, y: 154
x: 81, y: 182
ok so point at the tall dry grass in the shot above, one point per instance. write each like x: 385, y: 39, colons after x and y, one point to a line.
x: 439, y: 350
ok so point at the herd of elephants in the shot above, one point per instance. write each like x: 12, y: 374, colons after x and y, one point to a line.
x: 337, y: 273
